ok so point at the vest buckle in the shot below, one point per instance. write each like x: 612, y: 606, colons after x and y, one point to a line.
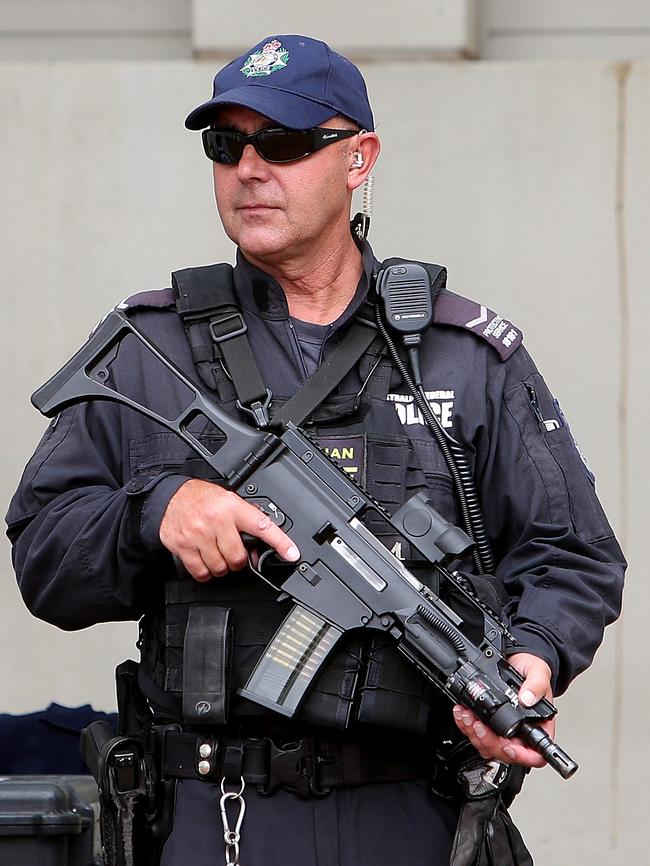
x: 228, y: 325
x: 295, y: 768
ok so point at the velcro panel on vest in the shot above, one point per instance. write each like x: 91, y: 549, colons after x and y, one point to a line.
x: 206, y: 656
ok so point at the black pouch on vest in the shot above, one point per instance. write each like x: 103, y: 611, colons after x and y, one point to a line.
x: 330, y: 702
x: 394, y: 694
x: 206, y: 665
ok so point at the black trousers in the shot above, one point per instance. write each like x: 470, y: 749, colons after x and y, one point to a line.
x: 388, y: 824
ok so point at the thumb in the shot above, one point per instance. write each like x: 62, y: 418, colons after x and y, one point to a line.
x: 537, y: 682
x: 527, y: 694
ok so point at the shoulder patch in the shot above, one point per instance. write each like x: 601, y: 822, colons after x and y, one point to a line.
x: 160, y: 298
x: 153, y: 298
x: 501, y: 334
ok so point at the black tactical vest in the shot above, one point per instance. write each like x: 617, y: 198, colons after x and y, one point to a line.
x: 366, y: 681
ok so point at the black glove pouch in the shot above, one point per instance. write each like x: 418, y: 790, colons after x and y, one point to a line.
x: 486, y: 836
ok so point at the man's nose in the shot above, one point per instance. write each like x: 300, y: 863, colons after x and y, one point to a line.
x: 251, y: 164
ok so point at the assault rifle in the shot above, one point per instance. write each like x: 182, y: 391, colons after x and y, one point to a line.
x: 346, y: 578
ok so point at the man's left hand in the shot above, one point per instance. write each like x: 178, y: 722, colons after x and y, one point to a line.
x: 536, y: 685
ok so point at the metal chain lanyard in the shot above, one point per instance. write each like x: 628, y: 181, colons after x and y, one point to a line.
x: 231, y: 837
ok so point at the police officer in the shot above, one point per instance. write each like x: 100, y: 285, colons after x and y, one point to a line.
x: 109, y: 501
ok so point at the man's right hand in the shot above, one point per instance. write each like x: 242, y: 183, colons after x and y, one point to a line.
x: 202, y: 526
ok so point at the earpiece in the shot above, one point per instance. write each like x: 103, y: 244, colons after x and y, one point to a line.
x: 358, y: 160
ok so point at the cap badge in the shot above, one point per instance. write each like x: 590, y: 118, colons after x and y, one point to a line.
x: 271, y: 58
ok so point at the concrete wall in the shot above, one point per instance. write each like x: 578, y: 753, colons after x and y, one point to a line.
x: 527, y: 180
x: 150, y: 29
x: 95, y: 29
x: 447, y: 28
x: 166, y: 29
x: 557, y: 29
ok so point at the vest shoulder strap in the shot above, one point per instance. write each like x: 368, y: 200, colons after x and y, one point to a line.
x: 216, y: 329
x: 204, y: 289
x: 207, y: 304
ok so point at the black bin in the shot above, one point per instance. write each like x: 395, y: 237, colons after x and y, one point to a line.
x: 49, y: 821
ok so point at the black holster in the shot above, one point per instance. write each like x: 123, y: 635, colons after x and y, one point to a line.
x: 119, y: 767
x: 136, y: 804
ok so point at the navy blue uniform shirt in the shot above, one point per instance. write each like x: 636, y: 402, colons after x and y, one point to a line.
x: 84, y: 521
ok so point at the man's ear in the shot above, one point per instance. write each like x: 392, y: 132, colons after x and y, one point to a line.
x: 363, y: 159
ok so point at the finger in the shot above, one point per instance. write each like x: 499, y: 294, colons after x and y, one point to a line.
x: 231, y: 550
x: 515, y: 752
x: 490, y: 745
x: 214, y: 561
x: 256, y: 523
x: 463, y: 717
x: 480, y: 736
x: 194, y: 564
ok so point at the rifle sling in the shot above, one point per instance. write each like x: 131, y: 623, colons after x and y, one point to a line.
x: 216, y: 330
x: 359, y: 338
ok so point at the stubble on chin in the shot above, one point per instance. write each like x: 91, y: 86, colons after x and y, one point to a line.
x: 264, y: 236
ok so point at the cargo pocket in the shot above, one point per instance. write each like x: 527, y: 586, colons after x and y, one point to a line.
x: 567, y: 480
x: 164, y: 451
x: 159, y: 454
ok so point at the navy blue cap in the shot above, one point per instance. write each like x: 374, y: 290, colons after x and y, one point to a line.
x: 296, y: 81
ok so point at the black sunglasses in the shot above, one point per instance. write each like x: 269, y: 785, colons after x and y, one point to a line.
x: 226, y: 146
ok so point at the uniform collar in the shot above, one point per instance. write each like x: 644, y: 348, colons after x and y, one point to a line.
x: 261, y: 294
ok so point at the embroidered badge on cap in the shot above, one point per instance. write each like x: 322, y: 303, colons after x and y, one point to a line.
x: 271, y: 58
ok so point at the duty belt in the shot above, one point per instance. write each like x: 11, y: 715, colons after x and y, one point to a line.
x: 310, y: 767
